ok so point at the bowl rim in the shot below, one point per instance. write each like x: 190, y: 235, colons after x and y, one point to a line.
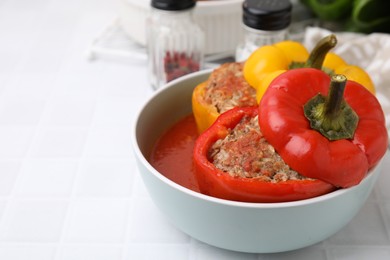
x: 256, y: 205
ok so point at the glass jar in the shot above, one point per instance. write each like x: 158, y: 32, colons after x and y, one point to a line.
x: 265, y: 22
x: 175, y: 42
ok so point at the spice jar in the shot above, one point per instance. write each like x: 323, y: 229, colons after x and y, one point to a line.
x: 175, y: 42
x: 265, y: 22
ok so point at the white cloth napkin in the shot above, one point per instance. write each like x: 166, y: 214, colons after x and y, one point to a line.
x: 371, y: 52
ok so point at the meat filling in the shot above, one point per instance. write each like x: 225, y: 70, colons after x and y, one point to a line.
x: 244, y: 152
x: 227, y: 88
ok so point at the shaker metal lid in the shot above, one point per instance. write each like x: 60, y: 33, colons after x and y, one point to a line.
x: 268, y: 15
x: 173, y: 5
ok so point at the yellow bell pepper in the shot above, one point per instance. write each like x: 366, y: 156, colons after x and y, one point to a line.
x: 205, y: 114
x: 267, y: 62
x: 352, y: 72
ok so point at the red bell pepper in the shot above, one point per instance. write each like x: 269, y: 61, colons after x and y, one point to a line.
x: 301, y: 139
x: 214, y: 182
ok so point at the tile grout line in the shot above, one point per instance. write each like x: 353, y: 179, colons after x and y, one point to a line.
x: 380, y: 202
x: 72, y: 196
x: 127, y: 234
x: 383, y: 218
x: 12, y: 195
x: 58, y: 243
x: 129, y: 206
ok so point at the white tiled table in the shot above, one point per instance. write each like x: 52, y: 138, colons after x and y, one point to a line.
x: 69, y: 188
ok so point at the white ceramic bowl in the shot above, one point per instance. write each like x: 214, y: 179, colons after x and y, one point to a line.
x: 219, y: 19
x: 238, y: 226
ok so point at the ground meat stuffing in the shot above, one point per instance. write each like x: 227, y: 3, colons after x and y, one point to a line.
x: 227, y: 88
x: 244, y: 152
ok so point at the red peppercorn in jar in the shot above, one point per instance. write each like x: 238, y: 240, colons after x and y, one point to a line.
x: 177, y: 64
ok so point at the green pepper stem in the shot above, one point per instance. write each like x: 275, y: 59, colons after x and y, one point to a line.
x: 331, y: 115
x: 335, y: 96
x: 317, y: 55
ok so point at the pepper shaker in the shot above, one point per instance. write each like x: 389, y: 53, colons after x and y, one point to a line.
x: 265, y: 22
x: 175, y: 42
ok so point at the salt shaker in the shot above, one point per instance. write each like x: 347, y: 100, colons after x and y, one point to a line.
x: 175, y: 42
x: 265, y: 22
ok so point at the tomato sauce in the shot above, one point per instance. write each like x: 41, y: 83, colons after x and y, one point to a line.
x: 172, y: 153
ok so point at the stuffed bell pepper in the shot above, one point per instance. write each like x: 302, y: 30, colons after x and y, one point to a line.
x: 234, y: 161
x: 226, y: 88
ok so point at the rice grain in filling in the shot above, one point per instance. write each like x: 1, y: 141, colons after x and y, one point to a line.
x: 244, y: 152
